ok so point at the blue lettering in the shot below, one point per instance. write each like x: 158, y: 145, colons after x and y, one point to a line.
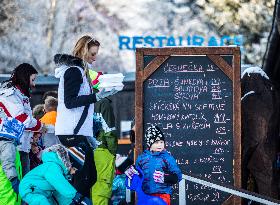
x: 149, y: 40
x: 180, y: 40
x: 212, y: 41
x: 137, y: 40
x: 130, y: 43
x: 171, y: 41
x: 189, y: 40
x: 124, y: 41
x: 225, y: 40
x: 160, y: 39
x: 238, y: 40
x: 198, y: 40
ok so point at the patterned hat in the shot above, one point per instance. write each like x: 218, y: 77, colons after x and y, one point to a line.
x: 152, y: 135
x: 62, y: 154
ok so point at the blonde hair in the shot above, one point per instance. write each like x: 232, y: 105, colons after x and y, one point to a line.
x: 50, y: 104
x: 38, y: 111
x: 82, y: 47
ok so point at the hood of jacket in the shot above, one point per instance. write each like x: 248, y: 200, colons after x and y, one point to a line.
x: 59, y: 155
x: 6, y: 89
x: 64, y: 61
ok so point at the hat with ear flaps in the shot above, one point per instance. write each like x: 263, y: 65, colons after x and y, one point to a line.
x: 62, y: 154
x: 152, y: 135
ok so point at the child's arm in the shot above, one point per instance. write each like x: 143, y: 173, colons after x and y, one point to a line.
x: 173, y: 174
x: 116, y: 184
x: 55, y: 177
x: 138, y: 161
x: 131, y: 170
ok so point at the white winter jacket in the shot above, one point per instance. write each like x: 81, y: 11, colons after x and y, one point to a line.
x: 67, y: 119
x: 13, y: 103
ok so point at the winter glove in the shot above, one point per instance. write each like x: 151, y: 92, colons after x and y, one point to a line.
x: 170, y: 178
x: 130, y: 171
x: 15, y: 184
x: 158, y: 177
x: 103, y: 94
x: 86, y: 201
x: 80, y: 200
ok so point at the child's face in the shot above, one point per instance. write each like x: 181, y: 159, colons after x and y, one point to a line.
x: 36, y: 137
x: 158, y: 146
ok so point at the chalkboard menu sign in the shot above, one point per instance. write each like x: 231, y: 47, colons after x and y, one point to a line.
x: 193, y: 95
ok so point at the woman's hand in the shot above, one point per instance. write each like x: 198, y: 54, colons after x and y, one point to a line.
x: 103, y: 94
x: 73, y: 170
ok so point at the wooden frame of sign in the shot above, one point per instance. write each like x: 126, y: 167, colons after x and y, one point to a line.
x: 207, y: 94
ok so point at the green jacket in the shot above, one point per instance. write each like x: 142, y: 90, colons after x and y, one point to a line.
x: 47, y: 179
x: 106, y: 134
x: 7, y: 194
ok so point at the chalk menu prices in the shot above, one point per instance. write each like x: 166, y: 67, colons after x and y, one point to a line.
x: 191, y: 100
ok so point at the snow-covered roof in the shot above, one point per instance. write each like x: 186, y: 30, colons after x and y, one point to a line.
x: 254, y: 69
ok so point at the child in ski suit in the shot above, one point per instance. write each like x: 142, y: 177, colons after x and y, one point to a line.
x: 119, y: 188
x: 159, y: 167
x: 49, y: 180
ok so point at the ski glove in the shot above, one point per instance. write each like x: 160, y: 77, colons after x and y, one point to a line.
x: 15, y: 184
x: 158, y: 177
x: 130, y: 171
x: 103, y: 94
x: 80, y: 200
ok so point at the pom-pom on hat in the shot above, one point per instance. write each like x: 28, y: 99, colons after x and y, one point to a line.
x: 152, y: 135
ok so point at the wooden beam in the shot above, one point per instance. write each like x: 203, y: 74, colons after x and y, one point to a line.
x: 222, y: 64
x: 139, y: 104
x: 153, y: 66
x: 219, y: 50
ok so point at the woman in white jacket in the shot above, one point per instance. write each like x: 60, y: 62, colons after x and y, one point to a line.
x: 74, y: 122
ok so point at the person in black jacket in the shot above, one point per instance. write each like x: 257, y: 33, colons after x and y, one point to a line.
x: 74, y: 123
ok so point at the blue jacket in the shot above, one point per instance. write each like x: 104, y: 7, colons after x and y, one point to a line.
x: 49, y: 179
x: 119, y: 189
x: 149, y: 162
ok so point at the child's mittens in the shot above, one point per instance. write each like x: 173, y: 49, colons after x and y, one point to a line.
x: 158, y: 177
x: 130, y: 171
